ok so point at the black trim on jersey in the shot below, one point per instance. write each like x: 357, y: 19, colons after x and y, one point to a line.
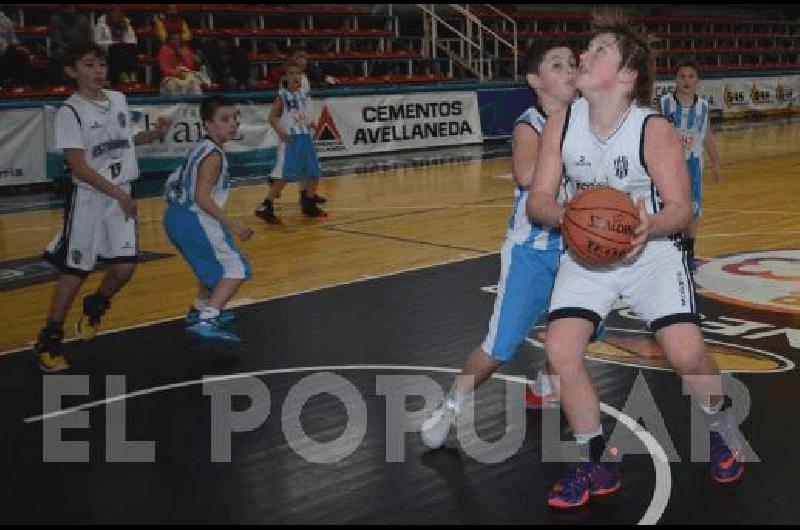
x: 56, y: 261
x: 641, y: 139
x: 118, y: 259
x: 75, y: 112
x: 576, y: 312
x: 689, y: 277
x: 566, y: 126
x: 523, y: 122
x: 677, y: 318
x: 59, y: 255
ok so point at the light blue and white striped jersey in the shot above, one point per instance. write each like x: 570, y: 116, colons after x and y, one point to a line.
x: 520, y: 229
x: 294, y: 118
x: 691, y: 122
x: 181, y: 184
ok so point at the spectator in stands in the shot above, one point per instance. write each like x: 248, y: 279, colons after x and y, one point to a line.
x: 176, y: 62
x: 233, y: 67
x: 114, y: 32
x: 67, y: 28
x: 14, y: 59
x: 166, y: 24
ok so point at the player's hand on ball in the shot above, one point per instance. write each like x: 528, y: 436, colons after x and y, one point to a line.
x: 640, y: 234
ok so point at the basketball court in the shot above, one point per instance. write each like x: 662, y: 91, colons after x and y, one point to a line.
x: 393, y: 289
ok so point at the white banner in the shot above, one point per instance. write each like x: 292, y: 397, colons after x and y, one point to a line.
x: 745, y: 95
x: 21, y: 147
x: 381, y: 123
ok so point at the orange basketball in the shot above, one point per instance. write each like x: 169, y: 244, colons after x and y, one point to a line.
x: 598, y: 226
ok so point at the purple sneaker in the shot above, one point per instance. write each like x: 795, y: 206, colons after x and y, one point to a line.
x: 586, y: 479
x: 726, y: 465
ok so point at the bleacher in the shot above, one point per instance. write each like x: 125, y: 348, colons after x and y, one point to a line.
x: 719, y: 43
x: 334, y: 36
x: 370, y: 49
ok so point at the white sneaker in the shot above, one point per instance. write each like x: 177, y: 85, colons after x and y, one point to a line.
x: 436, y: 428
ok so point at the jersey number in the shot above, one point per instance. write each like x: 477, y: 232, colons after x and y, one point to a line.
x: 116, y: 170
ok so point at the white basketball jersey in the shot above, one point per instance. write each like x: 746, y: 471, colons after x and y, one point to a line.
x: 104, y: 131
x: 616, y: 161
x: 691, y: 122
x: 294, y: 116
x: 520, y: 229
x: 182, y: 183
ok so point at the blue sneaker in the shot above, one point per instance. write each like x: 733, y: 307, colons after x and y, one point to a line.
x: 226, y: 316
x: 212, y: 328
x: 584, y: 480
x: 726, y: 465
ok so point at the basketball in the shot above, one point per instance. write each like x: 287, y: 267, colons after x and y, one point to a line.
x: 599, y: 225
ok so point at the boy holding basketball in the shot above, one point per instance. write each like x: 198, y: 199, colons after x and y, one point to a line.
x: 609, y: 127
x: 530, y: 252
x: 688, y: 112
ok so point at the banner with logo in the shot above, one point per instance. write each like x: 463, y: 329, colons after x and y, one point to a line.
x: 251, y: 152
x: 382, y: 123
x: 21, y: 146
x: 745, y: 95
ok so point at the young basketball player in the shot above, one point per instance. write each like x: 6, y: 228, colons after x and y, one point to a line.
x: 530, y: 252
x: 297, y: 158
x: 611, y: 126
x: 688, y: 112
x: 299, y: 55
x: 198, y: 226
x: 94, y: 131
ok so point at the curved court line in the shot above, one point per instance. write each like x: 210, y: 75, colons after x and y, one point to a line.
x: 788, y: 364
x: 663, y: 483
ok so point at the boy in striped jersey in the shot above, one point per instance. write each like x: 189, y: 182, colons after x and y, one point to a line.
x: 198, y: 226
x: 530, y: 253
x: 688, y: 112
x: 297, y: 158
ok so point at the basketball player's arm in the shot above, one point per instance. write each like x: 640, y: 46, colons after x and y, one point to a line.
x: 207, y: 174
x: 158, y: 132
x: 710, y: 145
x: 663, y: 155
x: 274, y: 115
x: 524, y: 148
x: 76, y: 161
x: 542, y: 206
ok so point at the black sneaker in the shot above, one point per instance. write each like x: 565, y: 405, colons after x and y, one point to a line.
x: 266, y: 212
x: 310, y: 209
x: 94, y: 307
x: 318, y: 199
x: 48, y: 348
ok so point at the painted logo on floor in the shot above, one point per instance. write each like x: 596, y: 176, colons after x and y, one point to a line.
x: 730, y: 290
x: 767, y: 280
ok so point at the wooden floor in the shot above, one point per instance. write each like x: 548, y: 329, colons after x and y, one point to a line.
x: 389, y: 221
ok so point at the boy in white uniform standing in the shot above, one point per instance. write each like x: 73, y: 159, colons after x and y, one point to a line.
x: 94, y: 130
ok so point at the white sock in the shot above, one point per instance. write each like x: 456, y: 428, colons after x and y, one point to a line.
x: 209, y: 313
x: 542, y: 385
x: 200, y: 304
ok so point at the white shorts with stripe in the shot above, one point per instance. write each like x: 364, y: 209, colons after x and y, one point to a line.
x: 95, y: 229
x: 657, y: 286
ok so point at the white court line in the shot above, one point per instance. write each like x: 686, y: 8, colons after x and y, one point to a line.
x: 241, y: 303
x: 663, y: 482
x: 754, y: 212
x: 738, y: 234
